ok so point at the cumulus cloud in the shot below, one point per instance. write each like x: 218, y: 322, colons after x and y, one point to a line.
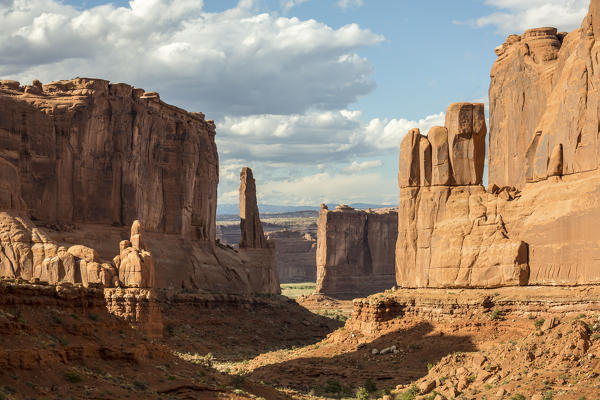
x: 234, y: 62
x: 331, y: 188
x: 514, y: 16
x: 346, y: 4
x: 287, y: 5
x: 357, y: 166
x: 313, y: 137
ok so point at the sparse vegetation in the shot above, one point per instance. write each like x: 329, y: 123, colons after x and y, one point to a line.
x: 72, y: 377
x: 409, y: 394
x: 518, y: 396
x: 496, y: 315
x: 295, y: 290
x: 539, y: 322
x: 362, y: 394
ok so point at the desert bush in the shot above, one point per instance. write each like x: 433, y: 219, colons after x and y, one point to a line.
x: 410, y: 394
x: 496, y: 315
x: 72, y: 377
x: 518, y: 396
x: 539, y: 322
x: 362, y: 394
x: 370, y: 386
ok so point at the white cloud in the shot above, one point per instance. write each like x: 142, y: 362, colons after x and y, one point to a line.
x: 310, y: 138
x: 233, y: 62
x: 346, y: 4
x: 287, y: 5
x: 515, y: 16
x: 330, y: 188
x: 357, y: 166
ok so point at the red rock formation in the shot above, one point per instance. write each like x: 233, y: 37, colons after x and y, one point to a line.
x: 250, y: 225
x: 88, y: 151
x: 86, y: 158
x: 355, y: 251
x: 134, y: 262
x: 449, y: 233
x: 295, y: 255
x: 539, y: 215
x: 255, y: 251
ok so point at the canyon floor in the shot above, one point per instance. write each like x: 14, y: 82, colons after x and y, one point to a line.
x: 512, y: 343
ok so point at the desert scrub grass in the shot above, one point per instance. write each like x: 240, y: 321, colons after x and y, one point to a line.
x: 518, y: 396
x: 362, y: 394
x: 409, y: 394
x: 370, y: 386
x: 206, y: 360
x: 72, y: 377
x: 539, y: 322
x: 496, y: 315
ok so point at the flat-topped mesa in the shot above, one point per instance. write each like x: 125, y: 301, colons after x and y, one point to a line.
x: 252, y: 231
x: 355, y: 251
x: 92, y: 145
x: 451, y: 155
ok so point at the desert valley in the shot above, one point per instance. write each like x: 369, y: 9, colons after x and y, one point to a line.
x: 120, y: 279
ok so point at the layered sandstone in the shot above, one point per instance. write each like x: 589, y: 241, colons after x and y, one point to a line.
x: 85, y: 158
x: 537, y: 222
x: 450, y: 231
x: 295, y: 255
x: 355, y: 251
x: 256, y: 253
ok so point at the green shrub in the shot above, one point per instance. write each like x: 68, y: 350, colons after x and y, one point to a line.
x: 539, y: 322
x: 370, y: 386
x: 362, y: 394
x: 518, y: 396
x: 410, y: 394
x: 496, y: 315
x: 72, y: 377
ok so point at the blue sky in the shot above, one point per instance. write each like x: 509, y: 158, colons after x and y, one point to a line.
x: 314, y: 95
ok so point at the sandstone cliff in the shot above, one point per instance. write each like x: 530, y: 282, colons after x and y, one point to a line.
x: 450, y: 233
x: 295, y: 255
x: 537, y: 222
x: 85, y: 158
x: 355, y: 251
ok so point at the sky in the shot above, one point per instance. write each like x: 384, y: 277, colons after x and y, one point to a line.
x: 314, y: 95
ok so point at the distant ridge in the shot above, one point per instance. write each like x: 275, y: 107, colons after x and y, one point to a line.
x: 233, y: 209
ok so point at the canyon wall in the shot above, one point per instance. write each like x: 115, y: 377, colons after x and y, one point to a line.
x: 295, y: 255
x: 82, y: 159
x: 355, y: 251
x: 537, y: 222
x: 449, y: 233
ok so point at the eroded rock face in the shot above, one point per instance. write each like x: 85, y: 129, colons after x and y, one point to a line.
x: 93, y: 157
x: 250, y: 225
x: 355, y: 251
x: 27, y: 252
x: 135, y: 263
x: 450, y: 233
x: 552, y: 127
x: 256, y: 253
x: 106, y: 153
x: 295, y: 255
